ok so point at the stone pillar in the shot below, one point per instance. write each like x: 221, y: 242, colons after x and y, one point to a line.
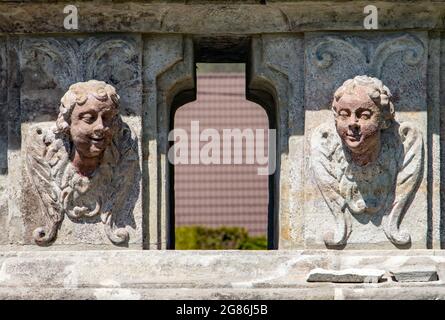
x: 3, y: 142
x: 168, y: 71
x: 277, y: 67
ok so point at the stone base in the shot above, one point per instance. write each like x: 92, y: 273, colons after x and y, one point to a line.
x: 130, y: 274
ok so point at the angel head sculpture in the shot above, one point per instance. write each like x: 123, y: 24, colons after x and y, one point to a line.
x: 87, y: 164
x: 364, y: 162
x: 89, y: 117
x: 362, y: 108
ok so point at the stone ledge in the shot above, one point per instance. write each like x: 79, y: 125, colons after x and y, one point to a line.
x: 276, y: 17
x: 409, y: 293
x: 132, y: 274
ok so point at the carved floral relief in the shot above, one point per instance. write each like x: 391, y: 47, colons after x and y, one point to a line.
x: 365, y: 162
x: 84, y: 166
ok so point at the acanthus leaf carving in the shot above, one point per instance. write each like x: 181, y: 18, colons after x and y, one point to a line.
x: 55, y: 63
x: 323, y: 53
x: 399, y: 59
x: 49, y: 63
x: 120, y: 71
x: 412, y: 49
x: 373, y: 55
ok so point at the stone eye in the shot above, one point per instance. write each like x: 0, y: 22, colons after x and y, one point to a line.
x: 108, y: 118
x: 343, y: 113
x: 88, y: 118
x: 366, y: 115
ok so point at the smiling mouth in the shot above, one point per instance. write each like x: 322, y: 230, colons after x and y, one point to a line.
x: 97, y: 140
x: 354, y: 138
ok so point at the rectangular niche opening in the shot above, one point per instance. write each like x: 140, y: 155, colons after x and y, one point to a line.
x: 221, y: 202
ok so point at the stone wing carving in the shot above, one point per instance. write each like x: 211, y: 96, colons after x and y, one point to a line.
x: 408, y: 180
x: 125, y: 176
x: 42, y: 162
x: 329, y: 165
x: 325, y: 144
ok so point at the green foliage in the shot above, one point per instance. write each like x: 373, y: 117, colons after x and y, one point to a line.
x: 223, y: 238
x: 254, y: 243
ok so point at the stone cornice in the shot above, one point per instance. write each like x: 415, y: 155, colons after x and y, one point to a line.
x: 18, y: 17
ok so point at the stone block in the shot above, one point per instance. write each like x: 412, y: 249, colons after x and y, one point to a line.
x: 346, y: 275
x: 414, y: 274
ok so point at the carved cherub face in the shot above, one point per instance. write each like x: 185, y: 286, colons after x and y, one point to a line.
x: 358, y: 121
x: 93, y: 126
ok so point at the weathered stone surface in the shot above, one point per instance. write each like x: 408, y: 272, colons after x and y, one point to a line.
x: 277, y: 69
x: 49, y: 66
x: 3, y: 143
x: 398, y: 59
x: 221, y: 18
x: 168, y: 71
x: 3, y: 87
x: 434, y: 128
x: 58, y: 62
x: 3, y: 108
x: 414, y: 274
x: 408, y: 293
x: 368, y: 165
x: 440, y: 134
x: 147, y: 54
x: 85, y: 166
x: 210, y: 274
x: 346, y: 275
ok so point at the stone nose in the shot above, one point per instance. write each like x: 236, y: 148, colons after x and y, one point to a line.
x: 354, y: 126
x: 98, y: 126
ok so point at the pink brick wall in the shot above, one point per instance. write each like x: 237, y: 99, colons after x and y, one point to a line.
x: 217, y: 195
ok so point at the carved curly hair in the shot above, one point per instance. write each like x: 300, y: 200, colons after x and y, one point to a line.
x: 376, y: 90
x: 78, y: 94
